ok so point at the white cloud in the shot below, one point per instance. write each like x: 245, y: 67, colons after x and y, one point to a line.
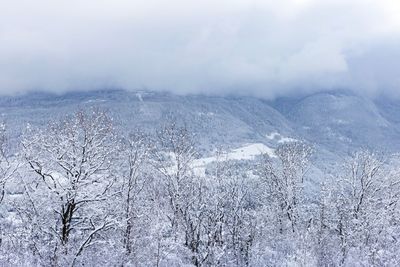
x: 248, y: 46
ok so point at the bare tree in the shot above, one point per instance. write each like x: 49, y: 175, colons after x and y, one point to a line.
x: 284, y: 180
x: 173, y: 161
x: 185, y: 190
x: 8, y: 168
x: 136, y: 153
x: 72, y: 160
x: 365, y: 197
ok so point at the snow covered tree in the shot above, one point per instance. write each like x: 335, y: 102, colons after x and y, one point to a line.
x: 71, y: 161
x: 173, y: 161
x: 8, y: 169
x: 363, y: 210
x: 284, y: 179
x: 136, y: 172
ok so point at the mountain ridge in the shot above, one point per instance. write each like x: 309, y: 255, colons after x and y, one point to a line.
x: 336, y: 121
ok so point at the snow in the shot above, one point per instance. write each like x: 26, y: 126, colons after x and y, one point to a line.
x: 208, y: 114
x: 94, y: 101
x: 246, y: 152
x: 341, y: 122
x: 139, y: 96
x: 280, y: 138
x: 250, y: 151
x: 272, y: 135
x: 286, y: 140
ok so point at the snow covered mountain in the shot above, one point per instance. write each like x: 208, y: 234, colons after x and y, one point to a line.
x: 335, y: 122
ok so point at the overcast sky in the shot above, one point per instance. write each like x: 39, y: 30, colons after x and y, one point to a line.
x: 261, y: 47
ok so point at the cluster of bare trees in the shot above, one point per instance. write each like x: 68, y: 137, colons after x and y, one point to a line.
x: 80, y: 193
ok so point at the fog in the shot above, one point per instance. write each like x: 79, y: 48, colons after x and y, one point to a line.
x: 254, y: 47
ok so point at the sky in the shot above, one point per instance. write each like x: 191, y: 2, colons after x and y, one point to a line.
x: 253, y: 47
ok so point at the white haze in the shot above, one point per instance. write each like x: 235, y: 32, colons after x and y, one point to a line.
x: 259, y: 47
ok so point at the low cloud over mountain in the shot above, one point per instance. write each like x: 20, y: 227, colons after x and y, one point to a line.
x: 264, y: 48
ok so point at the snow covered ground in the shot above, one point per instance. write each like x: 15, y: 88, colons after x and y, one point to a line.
x: 279, y: 138
x: 246, y: 152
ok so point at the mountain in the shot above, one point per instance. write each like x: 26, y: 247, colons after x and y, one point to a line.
x: 335, y: 122
x: 344, y: 122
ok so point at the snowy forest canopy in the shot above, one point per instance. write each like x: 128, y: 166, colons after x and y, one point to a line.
x: 79, y: 192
